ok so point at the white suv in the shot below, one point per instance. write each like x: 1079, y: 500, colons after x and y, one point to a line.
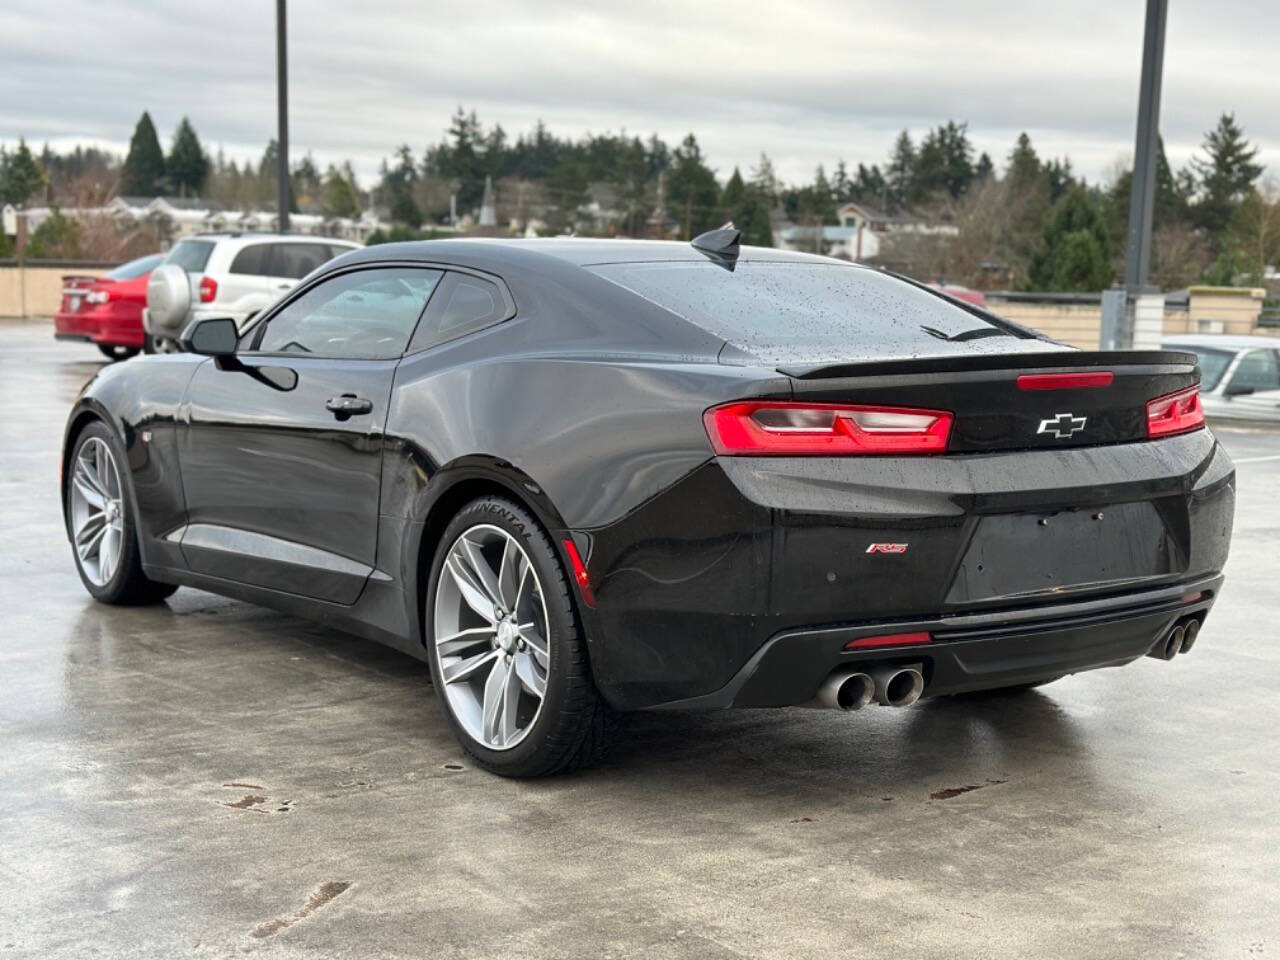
x: 227, y: 275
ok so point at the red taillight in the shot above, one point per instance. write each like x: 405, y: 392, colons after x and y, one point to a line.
x: 772, y: 428
x: 1065, y: 381
x: 888, y: 640
x: 580, y: 572
x: 1175, y: 413
x: 208, y: 289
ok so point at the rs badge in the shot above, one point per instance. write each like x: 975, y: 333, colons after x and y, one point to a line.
x: 887, y: 548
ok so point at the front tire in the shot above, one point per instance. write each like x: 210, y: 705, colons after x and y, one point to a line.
x: 101, y: 524
x: 507, y: 651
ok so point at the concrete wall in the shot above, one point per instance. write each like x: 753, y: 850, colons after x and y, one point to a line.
x: 1226, y: 310
x: 1077, y: 319
x: 1074, y: 322
x: 36, y: 291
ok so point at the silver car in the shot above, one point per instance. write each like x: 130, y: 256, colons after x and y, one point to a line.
x: 1240, y: 375
x: 227, y: 275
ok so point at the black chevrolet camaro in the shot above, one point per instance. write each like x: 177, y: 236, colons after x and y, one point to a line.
x: 582, y: 477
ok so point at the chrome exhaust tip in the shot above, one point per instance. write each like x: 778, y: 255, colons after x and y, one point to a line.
x: 1189, y: 634
x: 846, y: 690
x: 1170, y: 646
x: 898, y: 686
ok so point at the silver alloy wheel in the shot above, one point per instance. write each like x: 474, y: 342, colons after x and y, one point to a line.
x: 491, y: 636
x: 97, y: 511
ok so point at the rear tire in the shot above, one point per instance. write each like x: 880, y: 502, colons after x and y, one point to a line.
x: 101, y: 525
x: 495, y: 554
x: 114, y: 352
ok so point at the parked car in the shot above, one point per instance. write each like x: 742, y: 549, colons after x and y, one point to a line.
x: 1240, y: 375
x: 228, y: 275
x: 107, y: 310
x: 580, y: 477
x: 960, y: 292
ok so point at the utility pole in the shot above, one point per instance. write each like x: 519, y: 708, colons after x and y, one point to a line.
x: 1137, y: 263
x: 282, y: 115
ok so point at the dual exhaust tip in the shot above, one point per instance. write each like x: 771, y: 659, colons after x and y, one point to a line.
x: 1178, y: 640
x: 850, y: 689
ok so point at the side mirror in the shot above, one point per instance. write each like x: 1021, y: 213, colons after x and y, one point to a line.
x: 214, y: 337
x: 1240, y: 391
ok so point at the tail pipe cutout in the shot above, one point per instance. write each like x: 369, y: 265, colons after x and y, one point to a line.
x: 1180, y: 638
x: 886, y: 684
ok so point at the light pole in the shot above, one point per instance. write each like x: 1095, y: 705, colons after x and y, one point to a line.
x: 282, y: 116
x: 1137, y: 262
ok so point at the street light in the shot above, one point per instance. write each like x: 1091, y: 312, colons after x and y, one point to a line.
x: 282, y: 116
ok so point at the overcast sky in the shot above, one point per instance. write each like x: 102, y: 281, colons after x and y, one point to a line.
x: 806, y: 81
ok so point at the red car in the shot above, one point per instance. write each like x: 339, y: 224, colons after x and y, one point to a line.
x: 107, y: 310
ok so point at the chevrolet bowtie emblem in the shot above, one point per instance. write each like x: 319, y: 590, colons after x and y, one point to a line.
x: 1062, y: 425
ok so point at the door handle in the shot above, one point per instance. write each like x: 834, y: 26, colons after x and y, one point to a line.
x: 348, y: 405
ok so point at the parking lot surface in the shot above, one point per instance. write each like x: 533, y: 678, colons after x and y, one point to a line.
x: 207, y: 778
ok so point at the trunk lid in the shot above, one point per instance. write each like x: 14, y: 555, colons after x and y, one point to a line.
x: 1012, y: 401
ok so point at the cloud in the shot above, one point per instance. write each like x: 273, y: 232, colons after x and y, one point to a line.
x: 807, y: 82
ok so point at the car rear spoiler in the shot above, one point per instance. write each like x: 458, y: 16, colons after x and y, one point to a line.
x: 1052, y: 360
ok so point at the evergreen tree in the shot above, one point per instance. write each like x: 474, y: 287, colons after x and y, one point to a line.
x: 1075, y: 249
x: 984, y: 167
x: 1024, y: 165
x: 397, y: 189
x: 143, y: 174
x: 305, y: 180
x: 339, y: 197
x: 1225, y: 175
x: 21, y: 176
x: 188, y: 165
x: 268, y: 185
x: 735, y: 191
x: 692, y: 191
x: 898, y: 173
x: 765, y: 180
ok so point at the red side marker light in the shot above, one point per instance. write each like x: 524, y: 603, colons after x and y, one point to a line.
x: 888, y: 640
x: 1065, y: 381
x: 580, y: 572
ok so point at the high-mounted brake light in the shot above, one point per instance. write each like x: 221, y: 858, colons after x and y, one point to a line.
x: 208, y: 289
x: 756, y: 428
x: 1065, y: 381
x: 1175, y: 413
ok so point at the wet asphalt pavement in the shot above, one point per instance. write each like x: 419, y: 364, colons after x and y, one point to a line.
x: 208, y: 779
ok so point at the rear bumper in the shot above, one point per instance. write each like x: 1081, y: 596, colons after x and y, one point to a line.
x: 113, y: 327
x: 693, y: 585
x: 971, y: 652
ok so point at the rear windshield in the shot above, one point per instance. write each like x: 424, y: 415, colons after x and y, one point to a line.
x: 810, y: 311
x: 1213, y: 363
x: 136, y: 268
x: 190, y: 255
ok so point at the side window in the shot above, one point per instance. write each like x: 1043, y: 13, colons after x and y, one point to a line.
x: 296, y: 260
x: 363, y: 315
x: 1257, y: 371
x: 252, y: 260
x: 465, y: 304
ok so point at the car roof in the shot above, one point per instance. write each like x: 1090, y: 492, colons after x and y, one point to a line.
x: 495, y: 252
x: 278, y: 237
x: 1223, y: 341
